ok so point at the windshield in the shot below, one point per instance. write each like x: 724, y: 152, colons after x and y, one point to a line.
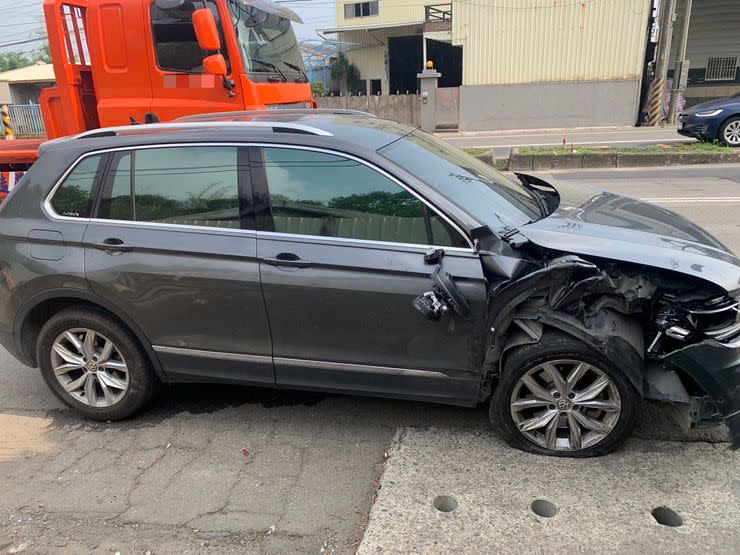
x: 267, y: 43
x: 476, y: 187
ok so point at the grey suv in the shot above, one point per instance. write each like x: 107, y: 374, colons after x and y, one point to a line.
x: 341, y: 252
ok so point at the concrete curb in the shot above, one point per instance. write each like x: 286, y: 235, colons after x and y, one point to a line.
x: 519, y: 161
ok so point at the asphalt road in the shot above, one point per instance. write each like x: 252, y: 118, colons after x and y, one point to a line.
x: 235, y: 470
x: 503, y: 142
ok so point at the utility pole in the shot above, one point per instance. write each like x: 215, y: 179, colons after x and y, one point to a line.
x: 662, y: 55
x: 680, y: 72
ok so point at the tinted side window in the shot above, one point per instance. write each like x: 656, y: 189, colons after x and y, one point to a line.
x: 175, y: 44
x: 177, y: 185
x: 315, y: 193
x: 73, y: 198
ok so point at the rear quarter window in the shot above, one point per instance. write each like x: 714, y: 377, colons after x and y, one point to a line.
x: 73, y: 198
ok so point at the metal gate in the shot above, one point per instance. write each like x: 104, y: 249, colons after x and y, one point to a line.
x: 448, y: 107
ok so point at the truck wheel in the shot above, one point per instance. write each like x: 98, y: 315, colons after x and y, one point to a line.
x: 94, y: 364
x: 560, y: 397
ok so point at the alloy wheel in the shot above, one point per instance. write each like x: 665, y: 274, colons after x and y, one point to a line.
x: 732, y: 133
x: 565, y: 405
x: 89, y: 367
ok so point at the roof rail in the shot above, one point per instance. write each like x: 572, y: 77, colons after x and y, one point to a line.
x: 277, y: 112
x: 174, y: 126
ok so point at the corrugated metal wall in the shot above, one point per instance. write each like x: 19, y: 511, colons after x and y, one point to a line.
x: 714, y: 30
x: 526, y: 41
x: 389, y: 11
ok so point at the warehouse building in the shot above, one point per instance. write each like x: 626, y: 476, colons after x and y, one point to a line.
x: 506, y: 63
x: 712, y: 50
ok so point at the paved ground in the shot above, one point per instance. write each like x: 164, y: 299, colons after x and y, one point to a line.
x: 595, y: 506
x: 502, y: 142
x: 225, y: 470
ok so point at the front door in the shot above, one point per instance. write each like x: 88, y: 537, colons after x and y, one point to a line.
x: 341, y: 248
x: 169, y: 248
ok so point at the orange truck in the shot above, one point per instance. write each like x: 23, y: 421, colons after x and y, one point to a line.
x: 125, y: 61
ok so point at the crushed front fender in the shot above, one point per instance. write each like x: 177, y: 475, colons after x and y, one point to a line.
x: 715, y: 367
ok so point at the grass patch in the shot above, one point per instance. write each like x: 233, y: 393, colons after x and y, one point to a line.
x: 476, y: 150
x: 653, y: 149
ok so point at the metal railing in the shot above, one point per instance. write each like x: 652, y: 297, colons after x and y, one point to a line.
x: 27, y: 120
x: 438, y: 12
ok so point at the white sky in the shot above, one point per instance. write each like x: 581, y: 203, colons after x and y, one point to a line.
x: 23, y: 19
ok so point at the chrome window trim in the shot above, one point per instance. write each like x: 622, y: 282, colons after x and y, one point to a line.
x: 347, y: 367
x: 369, y: 242
x: 219, y: 355
x: 49, y: 211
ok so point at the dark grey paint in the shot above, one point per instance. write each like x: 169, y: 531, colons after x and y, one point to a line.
x: 608, y: 225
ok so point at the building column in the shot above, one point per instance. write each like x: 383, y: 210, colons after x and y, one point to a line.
x: 428, y: 109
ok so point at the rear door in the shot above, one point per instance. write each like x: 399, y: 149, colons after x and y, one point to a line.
x: 341, y: 248
x: 171, y: 245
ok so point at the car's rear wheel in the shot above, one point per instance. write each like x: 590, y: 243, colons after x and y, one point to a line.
x: 560, y: 397
x: 94, y: 364
x: 729, y: 133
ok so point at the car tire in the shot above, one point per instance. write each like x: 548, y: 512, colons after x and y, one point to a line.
x: 729, y: 132
x: 94, y: 364
x: 567, y: 411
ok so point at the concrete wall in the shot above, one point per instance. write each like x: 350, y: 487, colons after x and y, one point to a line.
x: 402, y: 107
x: 548, y: 105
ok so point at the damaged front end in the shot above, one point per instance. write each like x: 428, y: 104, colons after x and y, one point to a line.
x: 677, y: 339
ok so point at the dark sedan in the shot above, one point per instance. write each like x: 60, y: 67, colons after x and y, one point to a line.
x: 342, y: 252
x: 716, y: 120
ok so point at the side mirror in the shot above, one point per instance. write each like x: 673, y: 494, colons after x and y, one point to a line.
x: 215, y: 64
x: 205, y: 29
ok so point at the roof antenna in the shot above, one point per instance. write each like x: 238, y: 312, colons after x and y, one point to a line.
x: 133, y: 121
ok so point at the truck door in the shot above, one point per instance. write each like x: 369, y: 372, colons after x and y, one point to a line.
x: 180, y: 87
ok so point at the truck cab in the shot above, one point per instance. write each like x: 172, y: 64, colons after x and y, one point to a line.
x: 123, y: 61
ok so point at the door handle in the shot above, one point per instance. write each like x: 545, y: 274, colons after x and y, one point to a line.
x: 113, y: 245
x: 287, y: 259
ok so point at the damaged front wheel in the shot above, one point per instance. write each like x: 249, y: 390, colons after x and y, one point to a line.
x: 560, y: 397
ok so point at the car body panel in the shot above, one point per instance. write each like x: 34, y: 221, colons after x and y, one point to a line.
x: 708, y: 128
x: 204, y: 281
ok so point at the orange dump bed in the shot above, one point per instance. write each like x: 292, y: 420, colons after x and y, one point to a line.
x: 18, y: 155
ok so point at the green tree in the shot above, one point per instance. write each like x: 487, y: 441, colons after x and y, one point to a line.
x: 347, y: 73
x: 318, y: 89
x: 16, y: 59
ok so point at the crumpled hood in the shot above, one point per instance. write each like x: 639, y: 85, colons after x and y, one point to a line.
x: 599, y: 223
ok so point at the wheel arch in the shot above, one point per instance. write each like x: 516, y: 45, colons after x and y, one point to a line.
x: 37, y: 310
x: 612, y: 334
x: 721, y: 125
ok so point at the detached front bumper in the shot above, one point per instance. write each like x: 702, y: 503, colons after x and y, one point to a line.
x: 715, y: 367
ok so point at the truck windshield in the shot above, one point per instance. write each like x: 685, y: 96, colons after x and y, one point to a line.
x: 474, y: 186
x: 267, y: 43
